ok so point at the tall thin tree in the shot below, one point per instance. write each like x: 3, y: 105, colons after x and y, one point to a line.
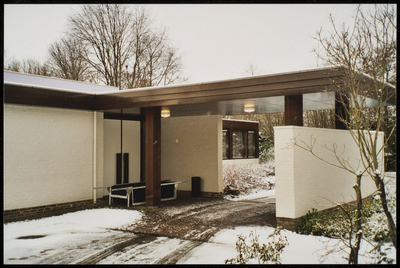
x: 369, y: 47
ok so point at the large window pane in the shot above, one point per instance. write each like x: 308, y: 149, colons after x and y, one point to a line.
x: 238, y: 145
x: 251, y: 143
x: 225, y: 144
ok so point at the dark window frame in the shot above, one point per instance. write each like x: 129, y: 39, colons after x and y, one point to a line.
x: 245, y: 126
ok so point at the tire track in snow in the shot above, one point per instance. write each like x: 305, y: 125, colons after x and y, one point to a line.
x: 179, y: 253
x: 160, y: 250
x: 137, y: 240
x: 72, y: 254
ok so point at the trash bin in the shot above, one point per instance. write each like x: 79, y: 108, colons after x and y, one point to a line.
x: 195, y: 186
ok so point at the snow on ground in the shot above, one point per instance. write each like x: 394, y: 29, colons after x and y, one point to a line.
x: 149, y: 253
x: 302, y: 249
x: 254, y: 195
x: 72, y: 237
x: 28, y: 242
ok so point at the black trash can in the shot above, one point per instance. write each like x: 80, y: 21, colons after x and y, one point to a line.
x: 196, y: 187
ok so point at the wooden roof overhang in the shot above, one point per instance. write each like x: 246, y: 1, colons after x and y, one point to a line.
x: 296, y: 83
x: 187, y: 99
x: 48, y: 97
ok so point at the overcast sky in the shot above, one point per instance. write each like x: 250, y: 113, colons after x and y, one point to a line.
x: 216, y: 41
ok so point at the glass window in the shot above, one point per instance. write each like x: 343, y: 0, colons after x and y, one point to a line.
x: 225, y: 144
x: 238, y: 145
x: 251, y: 144
x: 239, y: 139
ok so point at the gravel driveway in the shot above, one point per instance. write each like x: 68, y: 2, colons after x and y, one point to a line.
x: 200, y: 218
x: 164, y: 235
x: 183, y: 225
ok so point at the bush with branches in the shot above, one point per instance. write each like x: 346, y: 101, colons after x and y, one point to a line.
x: 243, y: 179
x: 339, y: 224
x: 262, y: 253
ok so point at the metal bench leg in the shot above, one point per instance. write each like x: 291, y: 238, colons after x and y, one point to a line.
x: 175, y: 191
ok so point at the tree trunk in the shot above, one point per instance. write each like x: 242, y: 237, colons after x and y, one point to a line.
x: 382, y: 192
x: 356, y: 248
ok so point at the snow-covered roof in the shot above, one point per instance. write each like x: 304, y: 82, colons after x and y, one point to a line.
x: 52, y: 83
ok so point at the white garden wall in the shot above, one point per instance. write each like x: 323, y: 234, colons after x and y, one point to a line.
x: 303, y: 181
x: 48, y: 155
x: 192, y: 146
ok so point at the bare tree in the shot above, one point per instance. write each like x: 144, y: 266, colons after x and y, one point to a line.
x: 14, y: 66
x: 66, y: 60
x: 319, y: 118
x: 122, y: 47
x: 368, y: 47
x: 29, y: 66
x: 251, y: 70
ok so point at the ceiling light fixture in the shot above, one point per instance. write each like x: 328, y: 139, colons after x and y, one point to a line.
x: 165, y: 113
x: 249, y: 108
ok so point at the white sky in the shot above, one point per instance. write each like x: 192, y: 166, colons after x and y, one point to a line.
x: 217, y: 41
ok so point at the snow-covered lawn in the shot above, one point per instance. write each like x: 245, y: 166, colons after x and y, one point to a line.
x: 29, y: 242
x: 72, y: 237
x: 302, y: 249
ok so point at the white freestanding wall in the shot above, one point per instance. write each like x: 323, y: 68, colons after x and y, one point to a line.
x: 192, y: 146
x: 303, y: 181
x: 48, y: 155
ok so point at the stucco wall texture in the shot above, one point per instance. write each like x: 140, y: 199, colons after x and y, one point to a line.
x: 49, y: 155
x: 303, y: 181
x: 192, y: 146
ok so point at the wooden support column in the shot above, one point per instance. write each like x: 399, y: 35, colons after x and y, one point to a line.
x: 294, y: 110
x: 153, y: 155
x: 341, y: 105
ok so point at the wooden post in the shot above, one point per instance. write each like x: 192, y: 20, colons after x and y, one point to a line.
x: 153, y: 155
x: 340, y: 111
x: 294, y: 110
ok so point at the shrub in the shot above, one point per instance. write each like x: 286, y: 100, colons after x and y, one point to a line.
x: 266, y: 151
x: 265, y: 253
x: 321, y: 223
x: 242, y: 179
x: 376, y: 226
x: 335, y: 224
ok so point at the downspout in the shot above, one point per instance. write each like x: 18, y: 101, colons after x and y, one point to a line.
x: 94, y: 156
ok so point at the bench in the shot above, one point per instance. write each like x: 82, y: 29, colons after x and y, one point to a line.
x: 135, y: 193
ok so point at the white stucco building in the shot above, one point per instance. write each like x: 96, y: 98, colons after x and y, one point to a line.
x: 64, y: 140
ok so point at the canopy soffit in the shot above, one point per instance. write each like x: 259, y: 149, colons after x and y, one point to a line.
x: 225, y: 97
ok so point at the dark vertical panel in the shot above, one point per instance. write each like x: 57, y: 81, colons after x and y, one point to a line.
x: 245, y: 144
x: 294, y: 110
x: 153, y: 155
x: 340, y: 111
x: 126, y: 167
x: 230, y: 142
x: 119, y: 168
x: 142, y: 150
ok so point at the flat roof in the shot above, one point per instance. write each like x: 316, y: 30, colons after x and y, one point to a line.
x: 225, y: 97
x: 52, y: 83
